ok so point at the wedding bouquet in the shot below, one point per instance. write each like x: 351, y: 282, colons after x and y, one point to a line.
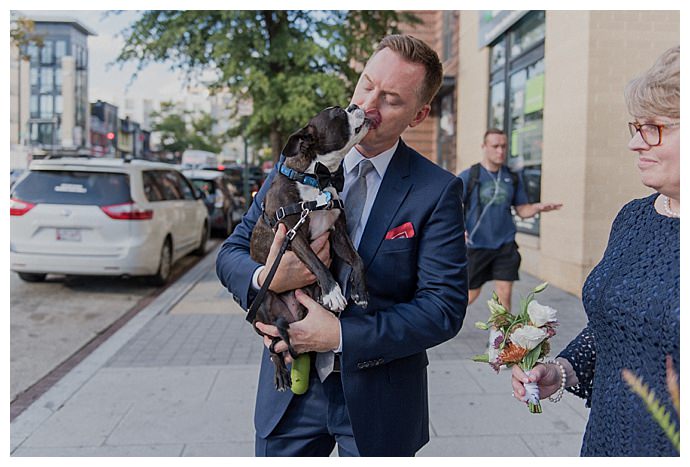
x: 520, y: 339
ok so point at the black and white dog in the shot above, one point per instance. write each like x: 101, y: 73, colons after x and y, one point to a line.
x: 311, y: 173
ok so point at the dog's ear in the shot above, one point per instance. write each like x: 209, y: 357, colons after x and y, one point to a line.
x: 299, y: 141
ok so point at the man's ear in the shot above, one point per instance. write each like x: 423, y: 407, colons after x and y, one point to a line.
x: 299, y: 141
x: 421, y: 115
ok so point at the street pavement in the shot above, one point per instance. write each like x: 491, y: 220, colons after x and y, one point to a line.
x: 180, y: 378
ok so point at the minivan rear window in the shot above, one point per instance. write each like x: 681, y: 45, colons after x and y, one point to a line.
x: 74, y: 187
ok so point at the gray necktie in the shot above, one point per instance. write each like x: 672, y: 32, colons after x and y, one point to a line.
x: 354, y: 205
x: 356, y: 197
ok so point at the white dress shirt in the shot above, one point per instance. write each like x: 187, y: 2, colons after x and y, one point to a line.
x: 374, y: 178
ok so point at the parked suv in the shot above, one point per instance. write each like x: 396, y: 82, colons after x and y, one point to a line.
x: 225, y: 205
x: 103, y: 217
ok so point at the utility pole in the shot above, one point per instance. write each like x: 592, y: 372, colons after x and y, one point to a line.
x: 245, y: 174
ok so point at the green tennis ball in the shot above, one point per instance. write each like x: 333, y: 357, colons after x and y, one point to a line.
x: 300, y: 374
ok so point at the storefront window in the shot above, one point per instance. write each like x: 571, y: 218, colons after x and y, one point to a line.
x: 498, y: 56
x: 518, y: 79
x: 497, y: 105
x: 446, y: 128
x: 527, y: 34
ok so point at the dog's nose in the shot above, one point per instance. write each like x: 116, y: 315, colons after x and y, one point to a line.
x: 351, y: 107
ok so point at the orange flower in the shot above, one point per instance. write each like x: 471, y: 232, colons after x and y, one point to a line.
x: 513, y: 353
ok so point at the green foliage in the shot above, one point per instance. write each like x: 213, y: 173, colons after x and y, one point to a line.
x: 181, y: 129
x: 289, y: 63
x: 659, y: 413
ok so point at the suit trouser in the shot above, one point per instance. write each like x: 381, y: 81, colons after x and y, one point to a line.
x: 313, y: 423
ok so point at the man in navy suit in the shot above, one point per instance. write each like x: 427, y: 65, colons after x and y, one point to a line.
x: 411, y: 239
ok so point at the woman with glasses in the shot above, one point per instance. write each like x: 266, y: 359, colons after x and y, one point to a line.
x: 632, y: 297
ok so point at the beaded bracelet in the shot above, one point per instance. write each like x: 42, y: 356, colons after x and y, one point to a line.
x: 559, y: 393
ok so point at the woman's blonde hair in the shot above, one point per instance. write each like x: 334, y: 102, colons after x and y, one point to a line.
x: 657, y: 92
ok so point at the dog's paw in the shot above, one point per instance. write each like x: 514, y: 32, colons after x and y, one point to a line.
x: 359, y: 295
x: 334, y: 300
x: 282, y: 380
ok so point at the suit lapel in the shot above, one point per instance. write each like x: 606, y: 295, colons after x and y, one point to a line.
x: 394, y: 187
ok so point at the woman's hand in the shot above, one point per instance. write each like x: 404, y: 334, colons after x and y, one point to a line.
x: 547, y: 376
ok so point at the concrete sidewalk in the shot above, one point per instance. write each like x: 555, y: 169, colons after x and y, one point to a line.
x: 180, y: 380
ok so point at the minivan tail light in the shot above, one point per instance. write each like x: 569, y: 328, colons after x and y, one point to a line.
x: 19, y: 207
x: 127, y: 211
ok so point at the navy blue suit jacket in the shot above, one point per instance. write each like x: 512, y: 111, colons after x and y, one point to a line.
x: 417, y: 299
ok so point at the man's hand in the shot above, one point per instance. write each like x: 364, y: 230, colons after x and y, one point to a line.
x: 292, y: 273
x: 319, y: 331
x: 529, y: 210
x: 546, y: 207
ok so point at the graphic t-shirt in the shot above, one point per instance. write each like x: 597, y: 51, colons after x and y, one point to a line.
x: 493, y: 225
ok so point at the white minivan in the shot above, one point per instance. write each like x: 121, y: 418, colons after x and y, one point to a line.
x: 104, y: 217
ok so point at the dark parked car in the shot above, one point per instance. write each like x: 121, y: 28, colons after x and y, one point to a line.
x: 236, y: 174
x: 224, y: 203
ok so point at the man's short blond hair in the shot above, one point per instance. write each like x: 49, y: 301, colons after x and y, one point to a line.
x: 657, y: 91
x: 417, y: 51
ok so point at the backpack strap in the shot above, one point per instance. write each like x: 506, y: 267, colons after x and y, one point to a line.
x: 474, y: 179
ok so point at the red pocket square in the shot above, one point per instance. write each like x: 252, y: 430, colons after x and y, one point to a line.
x: 402, y: 231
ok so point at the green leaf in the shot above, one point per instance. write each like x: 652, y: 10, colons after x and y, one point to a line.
x: 540, y: 287
x: 484, y: 358
x: 531, y: 358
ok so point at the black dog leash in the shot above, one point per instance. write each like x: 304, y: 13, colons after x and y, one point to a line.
x: 304, y: 208
x: 251, y: 313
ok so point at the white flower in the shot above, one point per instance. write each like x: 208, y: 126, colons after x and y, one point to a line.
x: 496, y: 308
x: 528, y: 337
x: 539, y: 314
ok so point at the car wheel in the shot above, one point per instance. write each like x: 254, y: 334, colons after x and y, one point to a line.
x: 32, y: 277
x: 201, y: 250
x: 165, y: 265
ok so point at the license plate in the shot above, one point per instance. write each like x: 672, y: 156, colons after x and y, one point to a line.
x: 68, y: 235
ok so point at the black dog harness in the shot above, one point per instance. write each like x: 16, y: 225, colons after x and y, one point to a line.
x: 324, y: 201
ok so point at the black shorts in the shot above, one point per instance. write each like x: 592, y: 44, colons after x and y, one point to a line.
x: 485, y: 264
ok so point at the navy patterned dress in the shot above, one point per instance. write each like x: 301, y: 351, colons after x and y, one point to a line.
x: 632, y: 301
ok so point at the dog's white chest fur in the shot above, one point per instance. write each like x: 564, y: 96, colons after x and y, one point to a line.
x: 319, y: 221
